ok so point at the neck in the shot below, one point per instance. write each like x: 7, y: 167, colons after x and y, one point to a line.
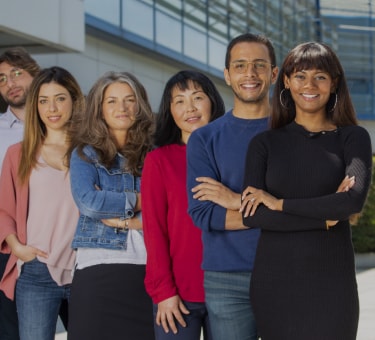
x: 19, y: 112
x: 315, y: 123
x: 55, y: 137
x: 252, y: 110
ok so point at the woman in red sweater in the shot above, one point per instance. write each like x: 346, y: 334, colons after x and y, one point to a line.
x: 174, y: 278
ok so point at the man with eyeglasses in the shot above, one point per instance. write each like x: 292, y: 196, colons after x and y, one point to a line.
x: 17, y: 70
x: 216, y: 160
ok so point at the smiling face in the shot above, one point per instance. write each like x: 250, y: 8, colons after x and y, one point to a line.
x: 119, y: 109
x: 190, y: 108
x: 251, y: 86
x: 310, y: 90
x: 55, y: 106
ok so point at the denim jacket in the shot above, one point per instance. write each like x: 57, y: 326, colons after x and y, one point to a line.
x: 101, y: 193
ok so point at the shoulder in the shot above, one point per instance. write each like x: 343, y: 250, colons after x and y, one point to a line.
x: 354, y: 131
x: 212, y: 129
x: 14, y: 151
x: 87, y: 151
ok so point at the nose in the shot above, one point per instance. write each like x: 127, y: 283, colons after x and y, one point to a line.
x: 190, y: 106
x: 52, y: 106
x: 310, y: 82
x: 122, y: 105
x: 250, y: 69
x: 10, y: 82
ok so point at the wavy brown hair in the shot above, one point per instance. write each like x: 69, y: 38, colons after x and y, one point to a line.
x: 90, y: 129
x: 35, y: 130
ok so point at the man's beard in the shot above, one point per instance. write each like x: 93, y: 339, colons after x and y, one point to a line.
x: 255, y: 100
x: 18, y: 104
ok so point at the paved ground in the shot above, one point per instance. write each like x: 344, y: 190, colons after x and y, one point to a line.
x: 366, y: 287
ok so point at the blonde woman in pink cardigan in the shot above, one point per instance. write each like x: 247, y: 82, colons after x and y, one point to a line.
x: 38, y: 215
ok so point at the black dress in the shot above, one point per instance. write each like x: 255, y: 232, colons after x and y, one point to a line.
x: 303, y: 284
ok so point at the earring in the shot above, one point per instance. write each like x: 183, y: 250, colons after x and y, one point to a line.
x: 281, y: 98
x: 334, y: 105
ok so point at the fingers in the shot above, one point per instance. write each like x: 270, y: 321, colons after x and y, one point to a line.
x: 249, y: 205
x: 40, y: 253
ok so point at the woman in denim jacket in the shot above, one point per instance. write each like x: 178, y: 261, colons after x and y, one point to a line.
x: 112, y: 137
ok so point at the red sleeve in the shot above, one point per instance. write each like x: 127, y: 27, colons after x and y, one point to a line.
x: 159, y: 281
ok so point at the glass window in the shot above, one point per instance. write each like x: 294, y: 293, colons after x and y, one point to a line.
x: 168, y: 32
x: 138, y: 18
x: 108, y: 11
x: 195, y: 45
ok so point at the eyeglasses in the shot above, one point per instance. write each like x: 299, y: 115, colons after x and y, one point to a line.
x: 242, y: 66
x: 13, y: 75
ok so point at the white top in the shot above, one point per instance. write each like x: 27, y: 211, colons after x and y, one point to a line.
x: 11, y: 132
x: 135, y: 253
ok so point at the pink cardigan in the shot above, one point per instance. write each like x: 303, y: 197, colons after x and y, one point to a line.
x: 13, y: 214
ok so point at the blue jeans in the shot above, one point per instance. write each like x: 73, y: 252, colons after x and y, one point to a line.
x: 228, y: 303
x: 38, y: 299
x: 197, y: 321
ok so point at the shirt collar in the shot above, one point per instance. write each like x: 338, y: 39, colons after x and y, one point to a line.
x: 11, y: 118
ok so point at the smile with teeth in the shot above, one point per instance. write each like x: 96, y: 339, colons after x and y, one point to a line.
x: 250, y: 86
x: 309, y: 96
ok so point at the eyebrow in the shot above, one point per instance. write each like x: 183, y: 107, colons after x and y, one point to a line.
x: 55, y: 95
x: 257, y: 59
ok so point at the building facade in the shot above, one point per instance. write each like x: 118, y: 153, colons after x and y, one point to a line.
x: 155, y: 38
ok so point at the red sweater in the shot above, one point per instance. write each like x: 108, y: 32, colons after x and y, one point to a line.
x: 173, y: 243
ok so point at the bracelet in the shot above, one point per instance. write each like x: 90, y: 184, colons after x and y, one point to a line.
x: 119, y: 228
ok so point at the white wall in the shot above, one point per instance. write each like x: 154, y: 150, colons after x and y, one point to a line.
x: 57, y: 23
x: 100, y: 56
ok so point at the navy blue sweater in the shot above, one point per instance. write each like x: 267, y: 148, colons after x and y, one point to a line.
x: 218, y: 150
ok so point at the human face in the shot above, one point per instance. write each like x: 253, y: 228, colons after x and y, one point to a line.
x: 310, y: 90
x: 55, y: 106
x: 14, y: 92
x: 190, y: 108
x: 119, y: 108
x: 251, y: 86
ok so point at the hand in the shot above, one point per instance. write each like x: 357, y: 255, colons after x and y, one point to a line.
x: 330, y: 224
x: 346, y: 184
x: 23, y: 252
x: 252, y: 197
x: 169, y: 311
x: 214, y: 191
x: 131, y: 223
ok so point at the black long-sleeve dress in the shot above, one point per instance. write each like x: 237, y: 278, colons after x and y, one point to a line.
x: 303, y: 284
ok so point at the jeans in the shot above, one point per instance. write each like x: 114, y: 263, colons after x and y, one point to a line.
x: 228, y: 304
x: 38, y: 299
x: 197, y: 321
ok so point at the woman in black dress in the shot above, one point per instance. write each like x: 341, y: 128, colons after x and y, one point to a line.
x: 304, y: 179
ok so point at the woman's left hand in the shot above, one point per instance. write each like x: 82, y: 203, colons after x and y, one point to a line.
x: 252, y: 197
x: 131, y: 223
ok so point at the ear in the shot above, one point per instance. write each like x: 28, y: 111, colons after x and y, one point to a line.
x: 334, y: 86
x: 286, y: 82
x: 275, y: 72
x: 227, y: 76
